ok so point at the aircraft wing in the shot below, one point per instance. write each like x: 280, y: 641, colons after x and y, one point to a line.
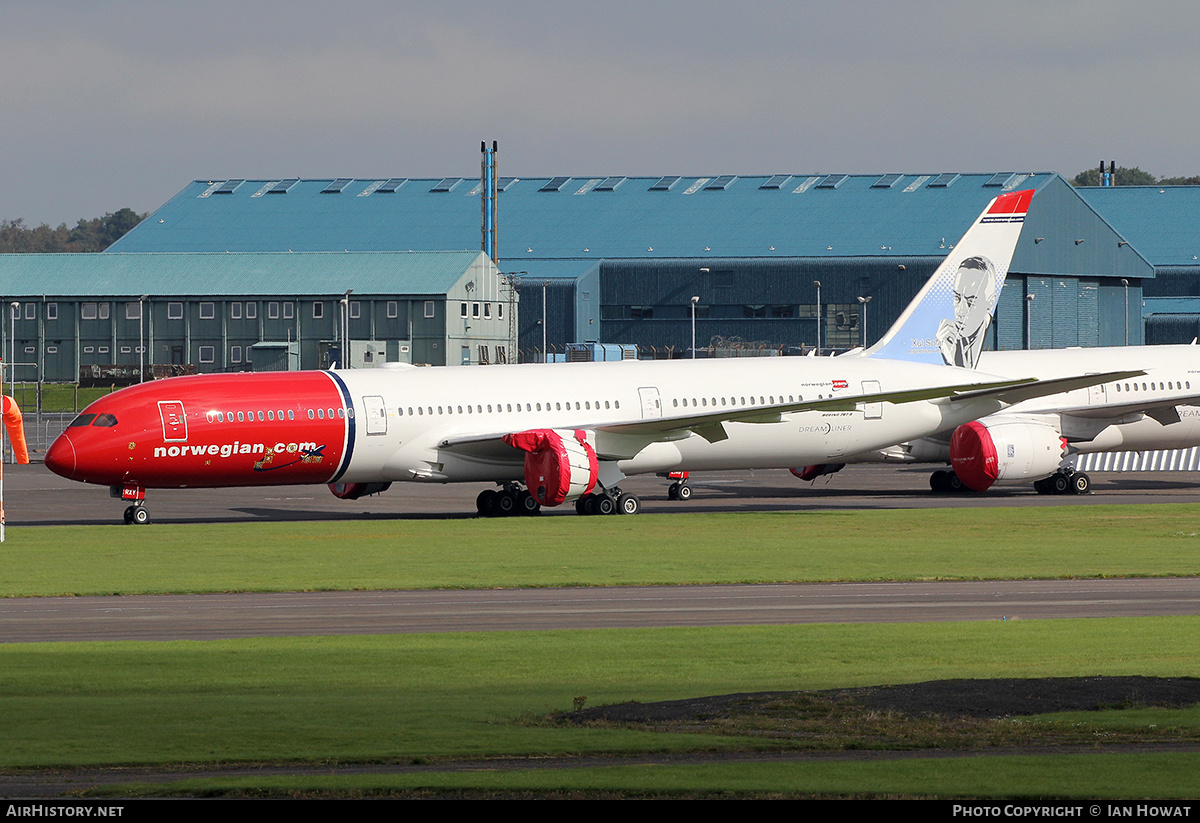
x: 627, y: 438
x: 1164, y: 410
x: 1033, y: 389
x: 633, y: 435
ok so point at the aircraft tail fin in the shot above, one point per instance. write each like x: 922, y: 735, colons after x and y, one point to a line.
x: 948, y: 319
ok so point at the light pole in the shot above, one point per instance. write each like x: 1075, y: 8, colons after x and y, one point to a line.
x: 864, y: 301
x: 817, y: 283
x: 141, y: 340
x: 545, y: 354
x: 695, y: 299
x: 345, y: 301
x: 1125, y: 283
x: 12, y: 349
x: 1028, y: 318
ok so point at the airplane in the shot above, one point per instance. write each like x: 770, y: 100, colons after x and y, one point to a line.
x: 1035, y: 439
x: 544, y: 434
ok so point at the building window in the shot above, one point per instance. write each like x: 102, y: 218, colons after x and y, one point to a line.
x: 51, y: 311
x: 429, y: 308
x: 475, y: 310
x: 393, y: 309
x: 289, y: 311
x: 174, y: 311
x: 133, y: 311
x: 252, y: 310
x: 208, y: 310
x: 487, y: 311
x: 273, y: 310
x: 235, y: 311
x: 500, y: 311
x: 355, y: 309
x: 126, y: 350
x: 52, y: 350
x: 318, y: 311
x: 87, y: 311
x: 235, y: 354
x: 208, y: 354
x: 462, y: 310
x: 31, y: 311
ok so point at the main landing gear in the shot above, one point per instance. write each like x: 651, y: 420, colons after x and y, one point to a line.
x: 1064, y: 481
x: 610, y: 502
x: 679, y: 491
x: 506, y: 501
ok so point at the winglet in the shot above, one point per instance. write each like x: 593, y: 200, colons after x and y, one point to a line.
x: 947, y: 321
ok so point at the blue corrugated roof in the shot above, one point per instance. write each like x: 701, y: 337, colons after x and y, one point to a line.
x: 234, y: 274
x: 692, y: 219
x: 1161, y: 222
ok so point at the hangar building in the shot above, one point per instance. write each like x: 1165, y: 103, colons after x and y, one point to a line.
x: 616, y: 260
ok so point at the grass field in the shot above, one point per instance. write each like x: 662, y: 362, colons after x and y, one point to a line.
x: 1095, y: 541
x: 428, y: 698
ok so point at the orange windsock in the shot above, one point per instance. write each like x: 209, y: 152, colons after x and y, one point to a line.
x: 15, y: 426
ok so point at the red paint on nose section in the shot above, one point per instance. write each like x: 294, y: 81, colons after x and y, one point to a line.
x: 973, y: 456
x: 60, y: 458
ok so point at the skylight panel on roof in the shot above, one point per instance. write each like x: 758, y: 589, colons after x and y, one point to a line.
x: 284, y: 186
x: 887, y: 181
x: 446, y: 184
x: 391, y: 185
x: 832, y: 181
x: 610, y: 183
x: 721, y: 183
x: 665, y: 183
x: 555, y: 184
x: 336, y: 186
x: 998, y: 180
x: 943, y: 181
x: 776, y: 181
x: 504, y: 182
x: 228, y: 187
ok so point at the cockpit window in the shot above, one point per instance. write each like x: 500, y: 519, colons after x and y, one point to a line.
x: 82, y: 420
x: 106, y: 421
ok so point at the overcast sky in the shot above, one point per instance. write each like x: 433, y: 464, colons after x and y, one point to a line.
x: 121, y: 103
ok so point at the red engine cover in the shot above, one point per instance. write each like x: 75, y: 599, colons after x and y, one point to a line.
x: 559, y: 465
x: 1004, y: 451
x: 973, y: 456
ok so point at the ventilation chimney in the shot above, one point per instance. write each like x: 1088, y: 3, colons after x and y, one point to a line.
x: 487, y: 179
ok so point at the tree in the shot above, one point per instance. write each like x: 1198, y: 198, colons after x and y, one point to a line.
x: 92, y: 235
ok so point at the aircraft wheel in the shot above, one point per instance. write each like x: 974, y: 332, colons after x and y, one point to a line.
x: 527, y: 503
x: 954, y: 483
x: 628, y: 504
x: 129, y: 515
x: 140, y: 515
x: 673, y: 491
x: 1042, y: 486
x: 939, y: 481
x: 485, y: 503
x: 1081, y: 483
x: 604, y: 504
x: 506, y: 504
x: 1060, y: 484
x: 684, y: 492
x: 581, y: 506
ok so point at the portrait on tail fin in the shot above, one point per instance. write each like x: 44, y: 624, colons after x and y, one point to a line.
x: 975, y: 290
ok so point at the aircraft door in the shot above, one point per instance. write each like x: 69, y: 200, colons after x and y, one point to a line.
x: 651, y: 406
x: 376, y: 414
x: 174, y: 421
x: 1097, y: 395
x: 872, y: 411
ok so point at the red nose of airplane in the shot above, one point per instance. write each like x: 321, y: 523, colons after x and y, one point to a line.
x: 60, y: 458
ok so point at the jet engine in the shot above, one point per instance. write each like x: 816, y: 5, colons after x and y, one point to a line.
x: 353, y: 491
x: 1006, y: 451
x: 560, y: 465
